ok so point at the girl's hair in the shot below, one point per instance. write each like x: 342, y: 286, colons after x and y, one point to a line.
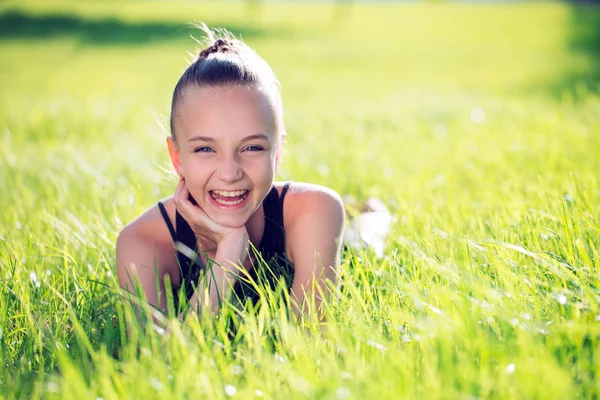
x: 229, y: 61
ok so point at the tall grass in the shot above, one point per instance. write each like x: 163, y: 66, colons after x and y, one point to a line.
x: 477, y: 125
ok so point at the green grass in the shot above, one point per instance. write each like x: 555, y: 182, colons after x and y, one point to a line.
x: 490, y: 286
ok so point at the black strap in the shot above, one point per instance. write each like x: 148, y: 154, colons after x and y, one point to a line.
x: 284, y: 191
x: 167, y: 221
x: 281, y: 197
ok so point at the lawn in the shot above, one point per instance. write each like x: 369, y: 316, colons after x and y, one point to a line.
x: 478, y: 125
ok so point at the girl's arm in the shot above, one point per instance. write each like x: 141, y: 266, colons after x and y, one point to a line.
x: 144, y: 263
x: 314, y: 235
x: 141, y: 261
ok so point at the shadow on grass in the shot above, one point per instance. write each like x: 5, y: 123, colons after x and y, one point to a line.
x: 584, y: 39
x: 107, y: 31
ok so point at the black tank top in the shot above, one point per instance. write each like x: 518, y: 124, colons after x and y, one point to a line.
x: 271, y: 250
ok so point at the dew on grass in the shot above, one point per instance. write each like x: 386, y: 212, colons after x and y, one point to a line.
x: 301, y: 385
x: 52, y: 387
x: 544, y: 236
x: 280, y: 358
x: 230, y: 390
x: 342, y: 393
x: 19, y: 225
x: 48, y: 272
x: 514, y: 321
x: 477, y: 115
x: 339, y: 349
x: 561, y: 298
x: 436, y: 310
x: 569, y: 198
x: 146, y: 352
x: 440, y: 232
x: 510, y: 368
x: 346, y: 375
x: 258, y: 393
x: 236, y: 370
x: 156, y: 384
x: 33, y: 277
x: 376, y: 345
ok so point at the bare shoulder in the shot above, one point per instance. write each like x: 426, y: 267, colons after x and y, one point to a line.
x: 302, y: 198
x: 313, y: 215
x: 147, y: 232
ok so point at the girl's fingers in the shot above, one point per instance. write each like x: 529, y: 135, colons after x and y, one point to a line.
x: 192, y: 213
x: 177, y: 195
x: 199, y: 221
x: 183, y: 203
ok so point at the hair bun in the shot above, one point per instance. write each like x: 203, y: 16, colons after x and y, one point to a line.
x: 219, y: 46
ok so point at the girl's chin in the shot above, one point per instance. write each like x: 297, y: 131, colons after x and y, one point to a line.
x: 232, y: 222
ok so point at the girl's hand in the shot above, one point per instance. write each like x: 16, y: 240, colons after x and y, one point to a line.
x: 232, y: 243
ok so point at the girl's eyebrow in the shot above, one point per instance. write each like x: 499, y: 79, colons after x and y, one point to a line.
x: 201, y: 139
x: 258, y: 136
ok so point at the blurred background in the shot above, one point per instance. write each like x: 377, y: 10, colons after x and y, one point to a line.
x: 374, y: 92
x: 444, y: 110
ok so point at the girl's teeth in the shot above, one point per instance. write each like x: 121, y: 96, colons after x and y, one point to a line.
x: 229, y: 203
x: 236, y: 196
x: 229, y: 194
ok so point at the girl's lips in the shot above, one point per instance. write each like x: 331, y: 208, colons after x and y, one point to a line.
x: 229, y: 203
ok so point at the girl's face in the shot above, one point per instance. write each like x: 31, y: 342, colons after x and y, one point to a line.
x: 227, y: 149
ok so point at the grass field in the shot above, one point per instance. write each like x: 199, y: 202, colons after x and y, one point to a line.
x: 478, y: 124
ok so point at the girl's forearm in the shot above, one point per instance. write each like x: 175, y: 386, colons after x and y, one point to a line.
x: 221, y: 275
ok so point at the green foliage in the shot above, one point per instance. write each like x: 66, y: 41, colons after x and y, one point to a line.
x: 477, y: 125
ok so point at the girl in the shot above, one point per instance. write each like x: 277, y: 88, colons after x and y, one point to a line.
x: 227, y: 212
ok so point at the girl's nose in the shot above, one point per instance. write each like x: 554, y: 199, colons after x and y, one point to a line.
x: 230, y: 169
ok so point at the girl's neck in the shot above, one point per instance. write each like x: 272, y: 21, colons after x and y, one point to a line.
x: 256, y: 226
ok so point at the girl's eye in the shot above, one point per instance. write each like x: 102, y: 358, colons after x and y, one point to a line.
x: 253, y: 148
x: 203, y: 150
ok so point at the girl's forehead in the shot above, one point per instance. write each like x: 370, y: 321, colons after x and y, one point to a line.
x: 240, y: 95
x: 206, y: 102
x: 231, y: 109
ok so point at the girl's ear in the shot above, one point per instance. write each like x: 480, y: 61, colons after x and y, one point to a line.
x: 277, y: 162
x: 175, y: 156
x: 278, y: 154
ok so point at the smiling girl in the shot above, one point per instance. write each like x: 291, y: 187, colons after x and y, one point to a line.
x: 226, y: 140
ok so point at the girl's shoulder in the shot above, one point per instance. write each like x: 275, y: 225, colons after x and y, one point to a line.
x: 149, y: 228
x: 303, y: 194
x: 145, y: 247
x: 310, y: 211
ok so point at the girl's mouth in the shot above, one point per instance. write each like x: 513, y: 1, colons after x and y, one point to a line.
x: 229, y: 198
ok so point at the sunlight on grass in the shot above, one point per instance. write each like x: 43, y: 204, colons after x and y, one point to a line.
x: 476, y: 125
